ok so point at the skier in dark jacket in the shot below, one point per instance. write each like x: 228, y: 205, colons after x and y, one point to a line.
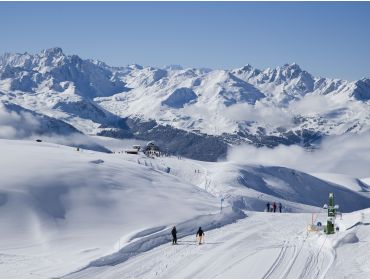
x: 268, y: 206
x: 274, y: 206
x: 280, y: 207
x: 200, y: 235
x: 174, y: 236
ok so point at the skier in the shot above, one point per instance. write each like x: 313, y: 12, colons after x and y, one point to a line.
x: 274, y: 206
x: 280, y: 207
x: 268, y: 206
x: 174, y: 236
x: 200, y: 233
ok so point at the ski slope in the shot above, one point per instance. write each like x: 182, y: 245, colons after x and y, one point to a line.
x: 256, y: 247
x: 263, y: 245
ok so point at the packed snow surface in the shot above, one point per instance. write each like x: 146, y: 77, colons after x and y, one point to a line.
x: 264, y: 245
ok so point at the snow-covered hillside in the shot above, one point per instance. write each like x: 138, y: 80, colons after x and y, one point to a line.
x: 61, y: 208
x: 252, y: 186
x: 70, y: 213
x: 282, y: 105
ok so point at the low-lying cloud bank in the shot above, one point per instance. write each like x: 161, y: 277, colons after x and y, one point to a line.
x: 15, y: 125
x: 310, y: 105
x: 261, y: 113
x: 348, y: 154
x: 24, y: 125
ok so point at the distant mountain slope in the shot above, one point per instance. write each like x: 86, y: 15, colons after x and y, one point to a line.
x: 282, y: 105
x: 180, y: 97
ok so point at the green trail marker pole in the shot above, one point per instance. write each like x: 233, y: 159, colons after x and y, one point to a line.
x: 331, y: 215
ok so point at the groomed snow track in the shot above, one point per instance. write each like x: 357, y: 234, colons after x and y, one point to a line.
x: 259, y: 246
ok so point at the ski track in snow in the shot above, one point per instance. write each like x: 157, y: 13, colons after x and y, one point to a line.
x: 294, y: 249
x: 287, y: 252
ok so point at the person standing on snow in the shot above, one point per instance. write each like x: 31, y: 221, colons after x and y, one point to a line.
x: 174, y: 236
x: 200, y: 233
x: 268, y: 206
x: 280, y: 206
x: 274, y: 207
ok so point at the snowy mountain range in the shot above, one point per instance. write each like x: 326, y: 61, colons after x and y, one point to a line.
x: 194, y: 112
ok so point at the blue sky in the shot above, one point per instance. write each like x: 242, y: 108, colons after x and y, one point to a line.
x: 330, y: 39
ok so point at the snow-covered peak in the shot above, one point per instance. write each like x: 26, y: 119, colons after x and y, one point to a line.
x: 46, y: 58
x: 16, y: 60
x: 49, y: 59
x: 246, y: 72
x: 135, y: 67
x: 51, y: 70
x: 247, y: 67
x: 284, y: 73
x: 56, y: 51
x: 292, y: 66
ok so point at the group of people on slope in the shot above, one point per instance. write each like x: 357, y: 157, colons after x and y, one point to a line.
x: 199, y: 236
x: 272, y: 207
